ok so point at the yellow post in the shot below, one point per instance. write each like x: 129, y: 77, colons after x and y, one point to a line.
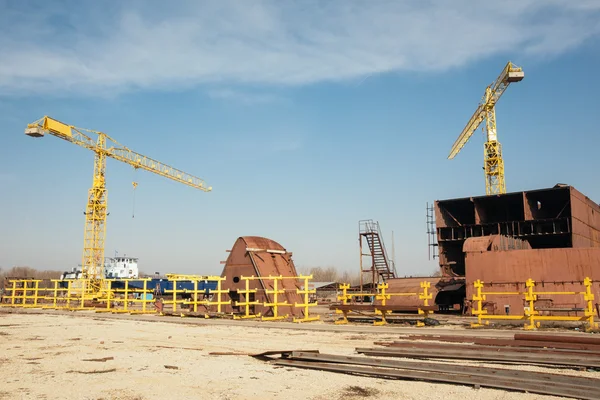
x: 344, y: 297
x: 275, y: 304
x: 425, y: 296
x: 14, y: 290
x: 145, y: 294
x: 109, y: 295
x: 55, y: 297
x: 478, y: 298
x: 589, y: 298
x: 344, y: 300
x: 69, y: 286
x: 24, y: 293
x: 530, y: 297
x: 83, y: 292
x: 195, y: 295
x: 174, y: 295
x: 126, y: 302
x: 306, y: 303
x: 36, y: 293
x: 382, y: 287
x: 219, y: 291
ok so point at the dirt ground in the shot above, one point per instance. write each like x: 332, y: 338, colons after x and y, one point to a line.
x: 59, y: 356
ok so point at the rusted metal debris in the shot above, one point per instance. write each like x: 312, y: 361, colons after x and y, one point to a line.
x: 525, y: 381
x: 229, y: 353
x: 96, y: 371
x: 103, y: 359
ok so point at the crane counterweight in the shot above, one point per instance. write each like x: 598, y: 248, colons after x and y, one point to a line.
x: 515, y: 76
x: 35, y: 131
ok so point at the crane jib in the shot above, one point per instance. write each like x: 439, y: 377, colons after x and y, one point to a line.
x: 96, y: 209
x: 493, y: 160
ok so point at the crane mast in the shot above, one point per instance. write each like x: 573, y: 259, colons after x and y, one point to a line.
x: 96, y: 209
x: 493, y: 160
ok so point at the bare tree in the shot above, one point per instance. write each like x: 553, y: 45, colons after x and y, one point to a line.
x: 330, y: 274
x: 27, y: 272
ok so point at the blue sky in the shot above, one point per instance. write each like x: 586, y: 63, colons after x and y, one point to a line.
x: 304, y: 118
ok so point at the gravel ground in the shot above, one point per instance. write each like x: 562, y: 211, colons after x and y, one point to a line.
x: 47, y: 356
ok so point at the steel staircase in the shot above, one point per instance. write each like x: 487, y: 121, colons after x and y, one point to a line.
x: 384, y: 267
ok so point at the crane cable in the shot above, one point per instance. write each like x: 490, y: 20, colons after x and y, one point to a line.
x: 135, y: 184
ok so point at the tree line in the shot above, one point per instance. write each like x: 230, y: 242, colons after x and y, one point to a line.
x: 27, y: 272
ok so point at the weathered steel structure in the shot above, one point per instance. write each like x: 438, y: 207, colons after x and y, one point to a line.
x: 260, y: 257
x: 550, y: 235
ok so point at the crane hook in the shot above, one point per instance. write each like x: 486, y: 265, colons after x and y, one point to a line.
x: 133, y: 210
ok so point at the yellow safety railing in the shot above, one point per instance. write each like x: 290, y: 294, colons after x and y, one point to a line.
x: 23, y: 293
x: 56, y: 297
x: 174, y: 301
x: 128, y: 299
x: 306, y: 304
x: 219, y: 291
x: 530, y: 315
x: 247, y: 303
x: 345, y: 297
x: 27, y: 293
x: 136, y: 296
x: 275, y: 304
x: 383, y: 295
x: 197, y: 297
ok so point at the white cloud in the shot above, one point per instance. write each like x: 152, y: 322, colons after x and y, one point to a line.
x: 245, y: 97
x: 104, y: 47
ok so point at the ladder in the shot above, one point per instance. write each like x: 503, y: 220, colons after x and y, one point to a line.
x: 370, y: 231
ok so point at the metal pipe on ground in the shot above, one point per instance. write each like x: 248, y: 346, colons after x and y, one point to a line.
x: 516, y: 357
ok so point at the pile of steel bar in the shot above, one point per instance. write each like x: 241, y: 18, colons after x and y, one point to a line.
x: 490, y: 377
x: 589, y: 344
x: 492, y: 355
x: 559, y: 350
x: 572, y: 343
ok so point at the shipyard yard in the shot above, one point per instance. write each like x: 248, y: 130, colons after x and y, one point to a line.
x: 89, y: 356
x: 341, y: 254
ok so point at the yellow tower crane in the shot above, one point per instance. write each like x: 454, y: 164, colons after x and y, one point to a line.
x: 493, y: 161
x: 95, y: 214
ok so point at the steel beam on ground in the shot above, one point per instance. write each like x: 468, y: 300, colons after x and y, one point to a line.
x: 558, y: 338
x: 473, y: 347
x: 507, y: 342
x: 453, y: 378
x: 542, y: 377
x: 517, y: 357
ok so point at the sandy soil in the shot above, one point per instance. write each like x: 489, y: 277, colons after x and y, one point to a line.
x: 46, y: 356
